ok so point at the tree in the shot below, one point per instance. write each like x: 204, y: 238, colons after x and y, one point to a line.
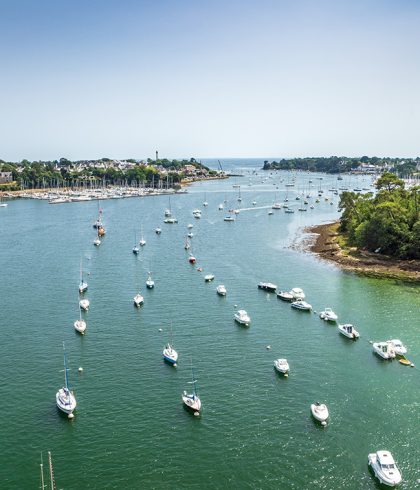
x: 389, y: 182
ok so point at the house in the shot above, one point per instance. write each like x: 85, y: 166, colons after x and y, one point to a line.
x: 6, y: 177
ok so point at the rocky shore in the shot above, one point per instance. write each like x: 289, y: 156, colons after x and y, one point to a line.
x: 328, y: 244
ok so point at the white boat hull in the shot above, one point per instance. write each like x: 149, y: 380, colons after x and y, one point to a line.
x: 320, y: 413
x: 80, y: 326
x: 192, y: 402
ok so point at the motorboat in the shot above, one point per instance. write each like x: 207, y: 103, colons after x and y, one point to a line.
x: 398, y: 347
x: 84, y: 304
x: 168, y: 213
x: 297, y: 293
x: 209, y: 277
x: 328, y: 315
x: 221, y: 207
x: 320, y: 412
x: 285, y: 295
x: 192, y: 400
x: 229, y: 218
x: 150, y: 283
x: 299, y: 304
x: 282, y: 366
x: 221, y: 290
x: 242, y: 317
x: 348, y: 330
x: 189, y: 226
x: 383, y: 349
x: 270, y: 212
x: 191, y: 259
x: 276, y: 205
x: 64, y: 398
x: 138, y: 299
x: 254, y: 203
x: 197, y: 213
x: 158, y: 231
x: 190, y: 235
x: 385, y: 468
x: 289, y: 211
x: 170, y: 221
x: 170, y: 354
x: 136, y: 249
x: 267, y: 286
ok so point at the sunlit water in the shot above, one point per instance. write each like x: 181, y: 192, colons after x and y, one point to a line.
x: 130, y: 429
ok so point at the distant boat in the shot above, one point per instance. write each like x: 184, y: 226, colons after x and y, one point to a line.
x: 187, y: 244
x: 169, y: 353
x: 209, y: 278
x: 150, y: 283
x: 221, y: 290
x: 205, y: 203
x: 64, y: 397
x: 242, y: 317
x: 80, y: 325
x: 142, y: 241
x: 136, y: 248
x: 97, y: 240
x: 320, y: 412
x: 229, y: 218
x: 192, y: 400
x: 138, y: 299
x: 2, y: 204
x: 168, y: 211
x: 83, y: 285
x: 84, y: 304
x: 221, y: 206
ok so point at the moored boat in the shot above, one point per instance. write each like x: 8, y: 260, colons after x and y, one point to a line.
x: 65, y: 399
x: 208, y: 277
x: 348, y: 330
x: 221, y: 290
x: 384, y: 350
x: 385, y: 468
x: 285, y: 295
x: 84, y: 304
x: 242, y: 317
x: 138, y: 299
x: 192, y: 400
x: 398, y: 347
x: 299, y: 304
x: 320, y: 412
x: 328, y: 315
x: 282, y: 366
x: 267, y: 286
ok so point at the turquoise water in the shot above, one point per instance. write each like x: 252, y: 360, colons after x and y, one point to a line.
x: 130, y: 429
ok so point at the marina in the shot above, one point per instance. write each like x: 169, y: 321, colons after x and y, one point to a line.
x: 265, y: 423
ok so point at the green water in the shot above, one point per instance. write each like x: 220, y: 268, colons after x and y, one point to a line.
x: 130, y: 429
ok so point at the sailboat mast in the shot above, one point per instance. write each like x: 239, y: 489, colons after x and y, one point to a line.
x: 53, y: 487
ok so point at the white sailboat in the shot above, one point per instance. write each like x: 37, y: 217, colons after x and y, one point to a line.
x: 136, y: 248
x: 80, y: 325
x: 83, y: 285
x: 142, y: 241
x: 150, y: 283
x: 64, y: 397
x: 192, y: 400
x: 97, y: 240
x: 84, y: 304
x: 170, y: 355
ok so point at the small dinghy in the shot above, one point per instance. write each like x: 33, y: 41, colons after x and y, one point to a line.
x: 320, y: 412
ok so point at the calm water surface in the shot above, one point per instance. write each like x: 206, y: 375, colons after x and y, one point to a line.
x: 130, y: 428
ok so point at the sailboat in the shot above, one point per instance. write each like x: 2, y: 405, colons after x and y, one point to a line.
x: 142, y: 241
x: 192, y: 400
x: 2, y: 204
x: 98, y: 223
x: 168, y: 211
x: 80, y: 325
x: 187, y: 243
x: 150, y: 283
x: 97, y: 240
x: 205, y: 203
x: 83, y: 285
x: 52, y: 480
x: 65, y: 398
x: 136, y: 249
x: 170, y: 355
x: 239, y: 195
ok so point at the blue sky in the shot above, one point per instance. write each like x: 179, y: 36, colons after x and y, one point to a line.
x: 94, y: 78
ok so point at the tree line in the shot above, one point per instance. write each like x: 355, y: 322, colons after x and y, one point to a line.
x: 387, y: 222
x: 334, y: 164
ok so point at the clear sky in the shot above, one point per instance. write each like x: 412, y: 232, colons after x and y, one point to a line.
x: 204, y: 78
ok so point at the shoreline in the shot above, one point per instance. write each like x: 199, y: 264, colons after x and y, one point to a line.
x: 329, y: 245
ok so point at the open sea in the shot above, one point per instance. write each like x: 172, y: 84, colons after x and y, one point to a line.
x: 130, y: 429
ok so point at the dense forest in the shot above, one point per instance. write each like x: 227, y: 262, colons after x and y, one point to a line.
x: 403, y: 166
x: 387, y: 222
x: 63, y: 172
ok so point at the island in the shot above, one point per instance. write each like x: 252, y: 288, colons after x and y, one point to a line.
x: 377, y: 234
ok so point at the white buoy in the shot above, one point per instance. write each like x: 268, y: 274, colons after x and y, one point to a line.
x: 196, y: 414
x: 160, y: 330
x: 70, y: 416
x: 80, y: 370
x: 286, y: 375
x: 268, y: 347
x: 323, y: 423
